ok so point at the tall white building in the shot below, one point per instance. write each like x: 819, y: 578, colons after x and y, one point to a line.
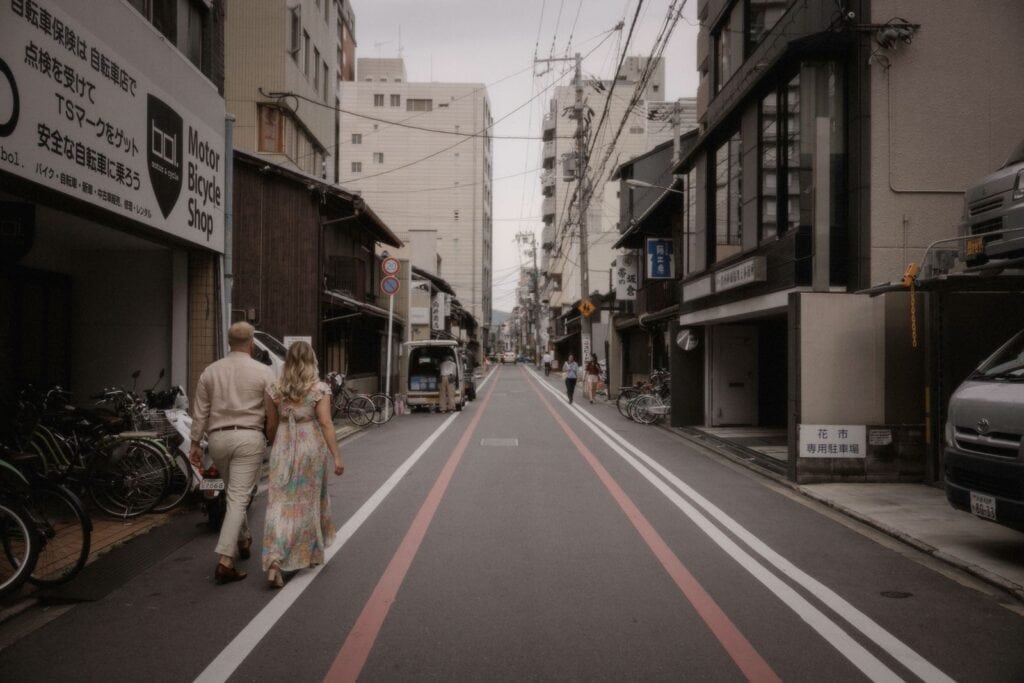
x: 560, y: 237
x: 419, y: 155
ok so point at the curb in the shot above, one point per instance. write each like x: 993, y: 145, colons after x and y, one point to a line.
x: 1014, y: 590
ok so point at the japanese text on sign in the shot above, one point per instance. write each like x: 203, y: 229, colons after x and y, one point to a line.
x: 832, y: 441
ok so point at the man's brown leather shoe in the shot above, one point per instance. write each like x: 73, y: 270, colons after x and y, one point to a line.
x: 225, y: 574
x: 244, y: 548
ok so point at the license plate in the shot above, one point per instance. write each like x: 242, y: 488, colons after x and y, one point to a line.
x: 975, y: 246
x: 211, y: 485
x: 983, y: 506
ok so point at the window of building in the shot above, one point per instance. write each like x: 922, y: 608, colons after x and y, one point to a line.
x: 197, y: 21
x: 728, y: 199
x: 396, y: 100
x: 456, y: 214
x: 419, y: 105
x: 357, y: 138
x: 636, y: 130
x: 316, y: 69
x: 762, y: 15
x: 184, y: 23
x: 768, y: 151
x: 271, y: 129
x: 691, y: 264
x: 291, y: 138
x: 295, y: 32
x: 791, y: 180
x: 305, y: 52
x: 378, y: 157
x: 324, y: 81
x: 378, y: 100
x: 327, y: 11
x: 357, y: 167
x: 728, y: 44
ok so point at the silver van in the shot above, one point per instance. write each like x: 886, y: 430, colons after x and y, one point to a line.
x: 995, y: 203
x: 984, y: 454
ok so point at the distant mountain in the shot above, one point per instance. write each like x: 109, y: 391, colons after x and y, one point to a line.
x: 498, y: 317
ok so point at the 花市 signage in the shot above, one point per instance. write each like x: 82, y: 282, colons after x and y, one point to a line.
x: 81, y: 118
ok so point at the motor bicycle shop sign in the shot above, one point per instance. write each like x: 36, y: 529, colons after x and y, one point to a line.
x: 80, y: 118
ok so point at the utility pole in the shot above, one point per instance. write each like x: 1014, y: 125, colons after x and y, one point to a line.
x: 582, y: 198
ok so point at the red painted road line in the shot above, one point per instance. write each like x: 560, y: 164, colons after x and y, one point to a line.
x: 753, y: 666
x: 354, y: 652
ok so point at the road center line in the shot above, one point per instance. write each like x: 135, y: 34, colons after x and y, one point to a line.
x: 828, y: 629
x: 356, y: 648
x: 749, y: 661
x: 232, y: 656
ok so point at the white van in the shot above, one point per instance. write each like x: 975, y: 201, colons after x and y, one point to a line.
x: 984, y: 455
x: 269, y: 351
x: 420, y: 372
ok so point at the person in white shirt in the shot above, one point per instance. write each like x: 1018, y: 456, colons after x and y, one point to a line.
x: 446, y: 386
x: 547, y: 358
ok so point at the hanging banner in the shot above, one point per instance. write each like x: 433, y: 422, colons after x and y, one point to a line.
x: 660, y: 264
x: 437, y: 311
x: 81, y: 118
x: 625, y: 276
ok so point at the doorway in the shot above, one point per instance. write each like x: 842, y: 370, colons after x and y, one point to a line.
x: 734, y: 381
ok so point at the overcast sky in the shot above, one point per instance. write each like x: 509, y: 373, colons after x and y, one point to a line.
x: 493, y: 42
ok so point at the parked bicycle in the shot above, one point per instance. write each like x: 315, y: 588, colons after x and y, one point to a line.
x: 649, y: 402
x: 360, y: 409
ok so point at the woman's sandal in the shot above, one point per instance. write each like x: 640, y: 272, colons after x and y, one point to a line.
x: 274, y: 577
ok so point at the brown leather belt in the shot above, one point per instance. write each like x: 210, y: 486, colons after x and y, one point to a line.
x: 233, y: 428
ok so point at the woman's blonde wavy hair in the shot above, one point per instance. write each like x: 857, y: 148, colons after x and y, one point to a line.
x: 300, y: 372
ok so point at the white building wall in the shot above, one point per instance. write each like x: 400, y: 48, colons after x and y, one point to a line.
x: 449, y: 192
x: 926, y: 148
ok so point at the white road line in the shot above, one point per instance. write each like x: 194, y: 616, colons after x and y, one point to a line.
x: 221, y: 668
x: 860, y: 657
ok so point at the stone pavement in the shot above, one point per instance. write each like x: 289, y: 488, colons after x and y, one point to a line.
x: 916, y: 514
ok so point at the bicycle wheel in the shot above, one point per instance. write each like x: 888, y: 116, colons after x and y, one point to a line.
x: 67, y: 530
x: 625, y: 396
x: 179, y: 472
x: 128, y: 478
x: 640, y: 409
x: 360, y: 410
x: 21, y: 544
x: 383, y: 408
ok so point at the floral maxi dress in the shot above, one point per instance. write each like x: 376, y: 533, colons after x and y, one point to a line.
x: 298, y: 525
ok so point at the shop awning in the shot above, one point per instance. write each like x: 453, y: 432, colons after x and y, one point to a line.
x: 564, y: 337
x: 344, y: 300
x: 438, y: 282
x: 665, y: 313
x: 645, y: 224
x: 626, y: 323
x: 974, y: 280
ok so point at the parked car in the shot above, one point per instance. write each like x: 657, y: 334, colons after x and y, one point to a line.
x: 269, y: 351
x: 508, y: 357
x: 994, y: 203
x: 984, y: 454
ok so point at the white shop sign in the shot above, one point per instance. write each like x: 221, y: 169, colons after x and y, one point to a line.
x: 832, y: 441
x: 437, y: 311
x: 80, y: 118
x: 291, y: 339
x: 419, y: 315
x: 697, y: 289
x: 744, y: 273
x: 625, y: 276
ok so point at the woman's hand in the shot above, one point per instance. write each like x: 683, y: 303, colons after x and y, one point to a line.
x: 339, y: 469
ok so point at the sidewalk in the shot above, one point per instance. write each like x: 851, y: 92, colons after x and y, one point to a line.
x: 916, y: 514
x: 108, y: 534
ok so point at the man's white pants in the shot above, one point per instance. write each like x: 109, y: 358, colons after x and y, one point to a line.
x: 238, y: 455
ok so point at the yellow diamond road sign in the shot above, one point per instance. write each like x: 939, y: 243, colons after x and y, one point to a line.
x: 586, y: 308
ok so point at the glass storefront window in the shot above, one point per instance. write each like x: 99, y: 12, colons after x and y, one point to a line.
x: 791, y: 152
x: 762, y: 15
x: 728, y: 198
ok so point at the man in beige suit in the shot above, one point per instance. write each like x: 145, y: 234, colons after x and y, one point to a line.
x: 229, y: 409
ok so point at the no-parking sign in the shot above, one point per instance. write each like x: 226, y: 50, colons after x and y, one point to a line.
x: 390, y: 285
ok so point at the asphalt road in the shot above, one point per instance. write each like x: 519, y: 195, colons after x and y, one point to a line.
x: 524, y: 539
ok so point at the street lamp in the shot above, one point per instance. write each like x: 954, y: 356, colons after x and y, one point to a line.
x: 633, y: 182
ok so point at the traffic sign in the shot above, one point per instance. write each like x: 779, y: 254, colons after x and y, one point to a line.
x: 389, y: 285
x: 587, y: 308
x: 390, y: 266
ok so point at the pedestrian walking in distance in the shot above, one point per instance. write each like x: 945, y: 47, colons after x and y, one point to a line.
x: 229, y: 408
x: 571, y: 369
x: 304, y: 446
x: 446, y: 386
x: 593, y: 374
x: 548, y: 360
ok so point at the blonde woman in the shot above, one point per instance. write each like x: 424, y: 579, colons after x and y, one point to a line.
x: 298, y: 526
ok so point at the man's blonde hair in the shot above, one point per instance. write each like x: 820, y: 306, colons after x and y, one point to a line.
x: 240, y: 333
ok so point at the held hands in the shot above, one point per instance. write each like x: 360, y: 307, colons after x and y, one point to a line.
x: 195, y: 455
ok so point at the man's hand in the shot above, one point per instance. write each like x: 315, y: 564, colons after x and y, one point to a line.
x: 195, y: 454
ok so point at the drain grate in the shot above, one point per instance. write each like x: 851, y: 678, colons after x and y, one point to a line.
x: 507, y: 443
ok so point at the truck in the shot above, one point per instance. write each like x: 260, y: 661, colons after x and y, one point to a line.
x: 420, y: 372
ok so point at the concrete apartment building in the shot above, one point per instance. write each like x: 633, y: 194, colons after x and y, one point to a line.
x: 417, y: 153
x: 835, y: 144
x: 560, y: 236
x: 284, y: 60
